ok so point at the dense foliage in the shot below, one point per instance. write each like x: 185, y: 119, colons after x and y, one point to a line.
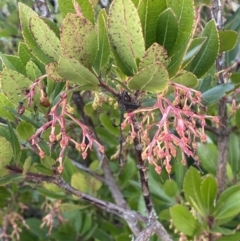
x: 119, y: 121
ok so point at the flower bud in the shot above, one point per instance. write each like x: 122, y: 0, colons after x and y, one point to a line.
x: 44, y: 101
x: 21, y: 108
x: 158, y: 169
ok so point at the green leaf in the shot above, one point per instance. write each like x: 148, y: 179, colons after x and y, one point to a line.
x: 208, y: 154
x: 25, y: 14
x: 48, y: 162
x: 108, y: 125
x: 5, y: 62
x: 35, y: 229
x: 86, y: 9
x: 237, y: 119
x: 52, y: 25
x: 205, y: 84
x: 232, y: 237
x: 154, y: 54
x: 33, y: 71
x: 228, y: 207
x: 233, y: 21
x: 122, y: 68
x: 157, y: 190
x: 164, y: 215
x: 125, y: 34
x: 45, y: 38
x: 185, y: 78
x: 106, y: 137
x: 228, y: 40
x: 17, y: 178
x: 25, y: 130
x: 170, y: 188
x: 26, y: 166
x: 235, y: 77
x: 68, y: 170
x: 5, y: 180
x: 52, y: 72
x: 167, y: 29
x: 69, y: 207
x: 184, y: 12
x: 6, y: 154
x: 4, y: 132
x: 10, y: 78
x: 149, y: 12
x: 183, y: 220
x: 208, y: 191
x: 87, y: 224
x: 35, y: 123
x: 24, y: 53
x: 128, y: 172
x: 85, y: 183
x: 52, y: 187
x: 4, y: 104
x: 153, y: 79
x: 191, y: 188
x: 16, y: 63
x: 42, y: 169
x: 103, y: 50
x: 75, y: 72
x: 78, y: 181
x: 15, y: 143
x: 216, y: 93
x: 66, y: 7
x: 50, y: 194
x: 222, y: 230
x: 206, y: 56
x: 234, y: 153
x: 195, y: 46
x: 94, y: 166
x: 225, y: 195
x: 179, y: 170
x: 78, y: 39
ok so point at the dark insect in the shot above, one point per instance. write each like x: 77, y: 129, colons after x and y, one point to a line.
x: 128, y: 105
x: 54, y: 169
x: 25, y: 91
x: 21, y: 108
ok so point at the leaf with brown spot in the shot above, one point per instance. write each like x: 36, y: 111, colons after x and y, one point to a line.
x: 152, y: 79
x: 6, y: 154
x: 125, y: 35
x: 51, y: 71
x: 13, y: 85
x: 155, y: 53
x: 25, y: 13
x: 45, y: 38
x: 78, y: 39
x: 75, y: 72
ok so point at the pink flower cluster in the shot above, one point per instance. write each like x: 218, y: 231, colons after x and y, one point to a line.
x: 58, y: 115
x: 179, y: 127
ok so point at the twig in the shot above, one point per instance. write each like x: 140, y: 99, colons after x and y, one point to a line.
x: 43, y: 9
x: 108, y: 88
x: 58, y: 180
x: 142, y: 168
x: 108, y: 177
x: 223, y: 136
x: 211, y: 129
x: 146, y: 233
x: 155, y: 227
x: 161, y: 232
